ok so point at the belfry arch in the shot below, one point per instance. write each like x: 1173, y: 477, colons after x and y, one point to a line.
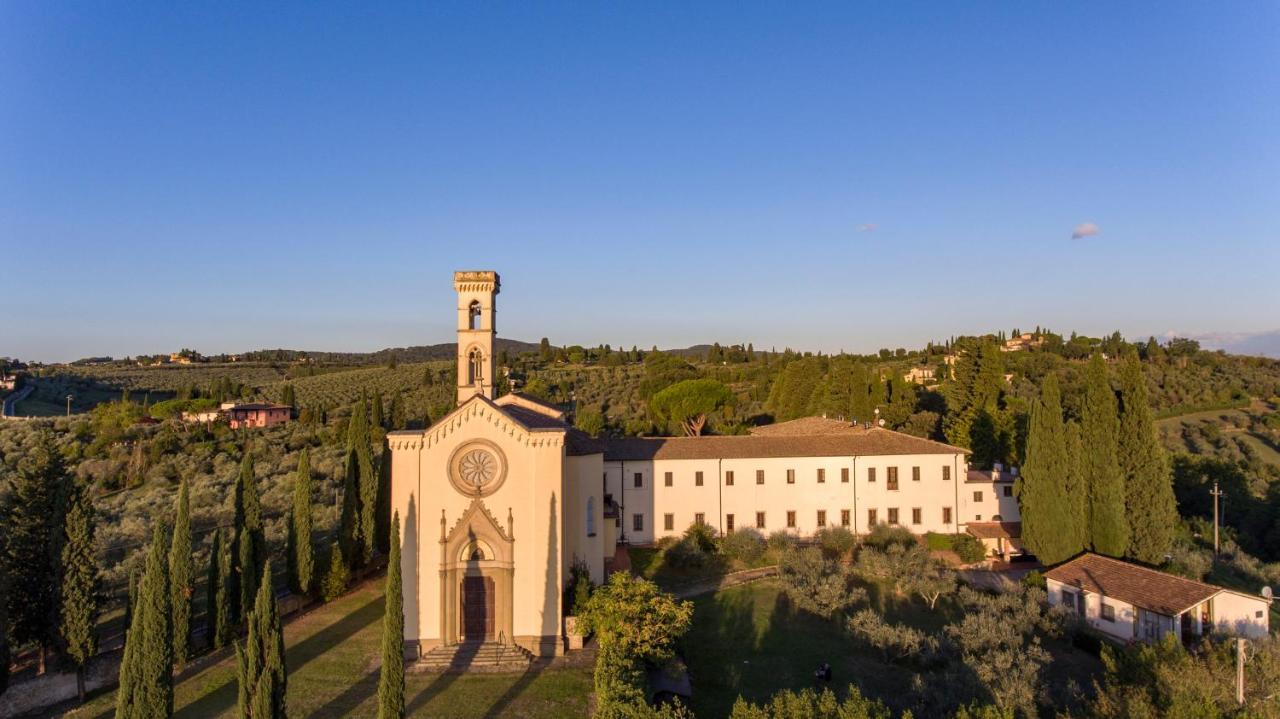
x: 476, y: 572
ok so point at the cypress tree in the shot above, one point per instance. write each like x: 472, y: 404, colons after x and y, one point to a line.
x: 79, y: 593
x: 1076, y: 489
x: 382, y: 504
x: 181, y: 575
x: 376, y: 419
x: 31, y: 552
x: 260, y: 660
x: 391, y: 678
x: 1150, y: 503
x: 1041, y: 489
x: 146, y: 671
x: 1108, y: 526
x: 250, y: 544
x: 224, y: 612
x: 213, y: 585
x: 359, y: 496
x: 396, y: 414
x: 301, y: 551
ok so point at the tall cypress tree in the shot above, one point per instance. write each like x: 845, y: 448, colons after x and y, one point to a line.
x: 223, y: 614
x: 212, y: 585
x: 146, y: 671
x: 1076, y: 489
x: 79, y: 593
x: 360, y: 489
x: 391, y: 678
x: 31, y: 552
x: 376, y: 418
x: 1108, y: 526
x: 1151, y: 506
x: 1041, y: 490
x: 382, y: 505
x: 249, y: 548
x: 260, y: 660
x: 301, y: 550
x: 181, y: 575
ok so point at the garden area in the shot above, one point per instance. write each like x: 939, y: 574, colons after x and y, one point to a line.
x: 332, y: 655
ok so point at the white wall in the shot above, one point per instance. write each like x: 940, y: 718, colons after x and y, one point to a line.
x: 1122, y: 627
x: 997, y: 500
x: 1241, y: 615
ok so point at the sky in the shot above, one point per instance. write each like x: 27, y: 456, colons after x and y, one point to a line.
x: 234, y: 176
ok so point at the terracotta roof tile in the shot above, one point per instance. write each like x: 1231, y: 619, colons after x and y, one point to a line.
x: 863, y: 443
x: 995, y: 530
x: 1146, y: 588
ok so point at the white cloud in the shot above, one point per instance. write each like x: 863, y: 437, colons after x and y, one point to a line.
x: 867, y: 227
x: 1084, y: 229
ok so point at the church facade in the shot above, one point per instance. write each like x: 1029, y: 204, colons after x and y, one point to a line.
x: 499, y: 498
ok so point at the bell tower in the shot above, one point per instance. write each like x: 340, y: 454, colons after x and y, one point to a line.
x: 476, y: 291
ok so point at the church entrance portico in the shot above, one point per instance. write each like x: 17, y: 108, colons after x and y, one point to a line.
x: 476, y: 579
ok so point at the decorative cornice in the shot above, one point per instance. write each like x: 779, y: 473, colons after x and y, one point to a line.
x: 477, y: 507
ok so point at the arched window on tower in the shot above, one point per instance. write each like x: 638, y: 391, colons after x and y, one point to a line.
x: 473, y: 315
x: 475, y: 364
x: 591, y: 516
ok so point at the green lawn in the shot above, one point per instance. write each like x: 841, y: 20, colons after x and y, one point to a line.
x: 748, y: 641
x: 333, y: 659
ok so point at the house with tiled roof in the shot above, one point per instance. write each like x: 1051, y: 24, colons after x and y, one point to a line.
x: 1130, y: 602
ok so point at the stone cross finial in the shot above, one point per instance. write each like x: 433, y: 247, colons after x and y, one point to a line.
x: 511, y: 524
x: 443, y: 529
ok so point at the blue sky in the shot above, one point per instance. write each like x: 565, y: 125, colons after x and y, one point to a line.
x: 229, y: 176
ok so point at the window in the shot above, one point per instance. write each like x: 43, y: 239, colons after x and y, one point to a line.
x: 791, y: 476
x: 871, y: 474
x: 728, y: 522
x: 915, y: 474
x: 915, y: 515
x: 666, y: 478
x: 977, y: 496
x: 699, y: 518
x: 728, y: 478
x: 759, y: 520
x: 1008, y: 490
x: 822, y: 475
x: 1257, y: 614
x: 668, y: 522
x: 637, y: 522
x: 791, y: 519
x: 697, y: 479
x: 844, y: 518
x: 637, y: 480
x: 591, y: 516
x: 822, y: 518
x: 946, y: 515
x: 891, y: 478
x: 475, y: 368
x: 759, y: 476
x: 946, y: 473
x: 844, y: 474
x: 977, y: 517
x: 1108, y: 612
x: 893, y: 515
x: 871, y: 517
x: 473, y: 315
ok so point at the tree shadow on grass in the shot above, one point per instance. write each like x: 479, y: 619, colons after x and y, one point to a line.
x: 345, y: 703
x: 223, y: 697
x: 516, y: 689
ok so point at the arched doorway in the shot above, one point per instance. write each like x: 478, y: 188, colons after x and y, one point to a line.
x: 477, y: 572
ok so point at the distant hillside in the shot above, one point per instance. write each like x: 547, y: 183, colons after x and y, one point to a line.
x: 417, y: 353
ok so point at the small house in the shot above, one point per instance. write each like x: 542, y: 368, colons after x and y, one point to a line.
x: 257, y: 414
x: 1133, y: 603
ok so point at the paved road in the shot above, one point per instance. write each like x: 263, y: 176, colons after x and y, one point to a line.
x: 12, y: 400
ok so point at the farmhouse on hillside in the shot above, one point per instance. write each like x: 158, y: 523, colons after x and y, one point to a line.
x: 502, y: 496
x: 1129, y: 602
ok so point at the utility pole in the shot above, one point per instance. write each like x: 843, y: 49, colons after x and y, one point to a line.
x: 1240, y: 671
x: 1216, y: 494
x: 69, y: 398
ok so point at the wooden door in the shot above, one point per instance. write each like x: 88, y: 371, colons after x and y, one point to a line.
x: 477, y: 608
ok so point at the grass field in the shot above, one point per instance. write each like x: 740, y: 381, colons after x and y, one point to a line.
x: 333, y: 659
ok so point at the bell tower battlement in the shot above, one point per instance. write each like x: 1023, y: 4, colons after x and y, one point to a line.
x: 476, y: 330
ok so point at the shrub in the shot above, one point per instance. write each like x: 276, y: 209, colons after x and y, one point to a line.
x: 884, y: 535
x: 337, y: 577
x: 687, y: 553
x: 938, y: 542
x: 896, y: 642
x: 702, y: 535
x: 969, y: 548
x: 578, y: 590
x: 780, y: 541
x: 836, y: 541
x: 1034, y: 579
x: 817, y: 584
x: 745, y: 545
